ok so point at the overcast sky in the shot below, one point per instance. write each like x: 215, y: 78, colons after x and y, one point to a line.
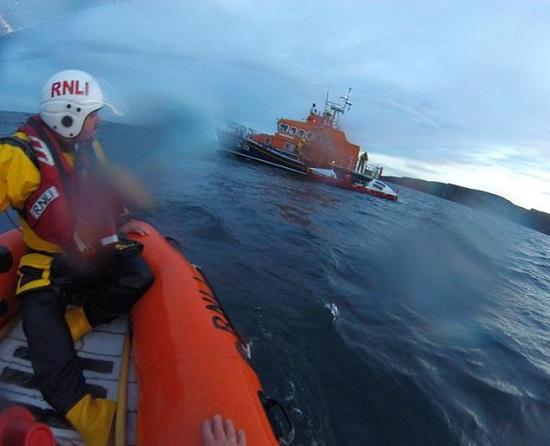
x: 453, y: 91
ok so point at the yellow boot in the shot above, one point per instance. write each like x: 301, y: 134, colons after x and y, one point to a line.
x: 78, y: 322
x: 92, y: 418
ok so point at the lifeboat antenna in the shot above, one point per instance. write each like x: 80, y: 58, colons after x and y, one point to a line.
x: 333, y: 110
x: 346, y: 98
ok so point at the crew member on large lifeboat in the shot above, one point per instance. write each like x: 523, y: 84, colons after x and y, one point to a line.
x: 51, y: 174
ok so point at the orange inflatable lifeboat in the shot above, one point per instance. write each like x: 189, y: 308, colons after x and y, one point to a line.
x: 190, y: 361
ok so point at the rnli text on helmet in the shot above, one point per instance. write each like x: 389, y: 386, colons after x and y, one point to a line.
x: 69, y: 87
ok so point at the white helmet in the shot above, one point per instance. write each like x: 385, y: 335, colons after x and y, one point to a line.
x: 67, y: 99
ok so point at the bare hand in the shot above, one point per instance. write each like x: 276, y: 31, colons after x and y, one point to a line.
x: 135, y: 227
x: 217, y: 432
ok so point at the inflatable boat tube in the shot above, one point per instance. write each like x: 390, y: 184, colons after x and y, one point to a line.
x: 190, y: 361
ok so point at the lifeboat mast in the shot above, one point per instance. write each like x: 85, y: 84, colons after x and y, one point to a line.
x: 334, y: 110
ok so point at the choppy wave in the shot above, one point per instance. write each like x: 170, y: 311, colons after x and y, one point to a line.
x: 421, y: 322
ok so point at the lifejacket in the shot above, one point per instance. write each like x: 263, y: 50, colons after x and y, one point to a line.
x: 70, y: 208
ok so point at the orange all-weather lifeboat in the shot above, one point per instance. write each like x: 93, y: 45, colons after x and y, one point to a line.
x: 316, y: 147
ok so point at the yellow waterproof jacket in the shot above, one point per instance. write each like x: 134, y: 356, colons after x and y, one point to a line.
x: 19, y: 178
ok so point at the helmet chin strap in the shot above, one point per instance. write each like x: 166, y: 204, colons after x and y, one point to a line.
x: 68, y: 145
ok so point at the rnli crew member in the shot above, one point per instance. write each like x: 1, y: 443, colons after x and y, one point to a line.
x: 50, y: 173
x: 362, y: 162
x: 300, y: 147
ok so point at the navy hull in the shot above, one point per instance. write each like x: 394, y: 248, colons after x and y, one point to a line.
x: 236, y: 141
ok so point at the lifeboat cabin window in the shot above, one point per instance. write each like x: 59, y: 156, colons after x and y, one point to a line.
x: 300, y: 133
x: 283, y: 128
x: 309, y: 135
x: 292, y: 130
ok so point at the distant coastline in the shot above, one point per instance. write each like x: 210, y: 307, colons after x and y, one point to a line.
x: 484, y: 201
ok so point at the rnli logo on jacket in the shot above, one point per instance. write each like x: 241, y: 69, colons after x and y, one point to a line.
x: 70, y: 87
x: 43, y: 201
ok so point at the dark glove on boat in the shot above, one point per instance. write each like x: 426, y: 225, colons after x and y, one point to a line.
x: 75, y: 269
x: 4, y: 307
x: 127, y: 248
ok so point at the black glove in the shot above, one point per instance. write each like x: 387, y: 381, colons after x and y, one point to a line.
x: 6, y: 259
x: 74, y: 269
x: 124, y: 249
x: 4, y: 307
